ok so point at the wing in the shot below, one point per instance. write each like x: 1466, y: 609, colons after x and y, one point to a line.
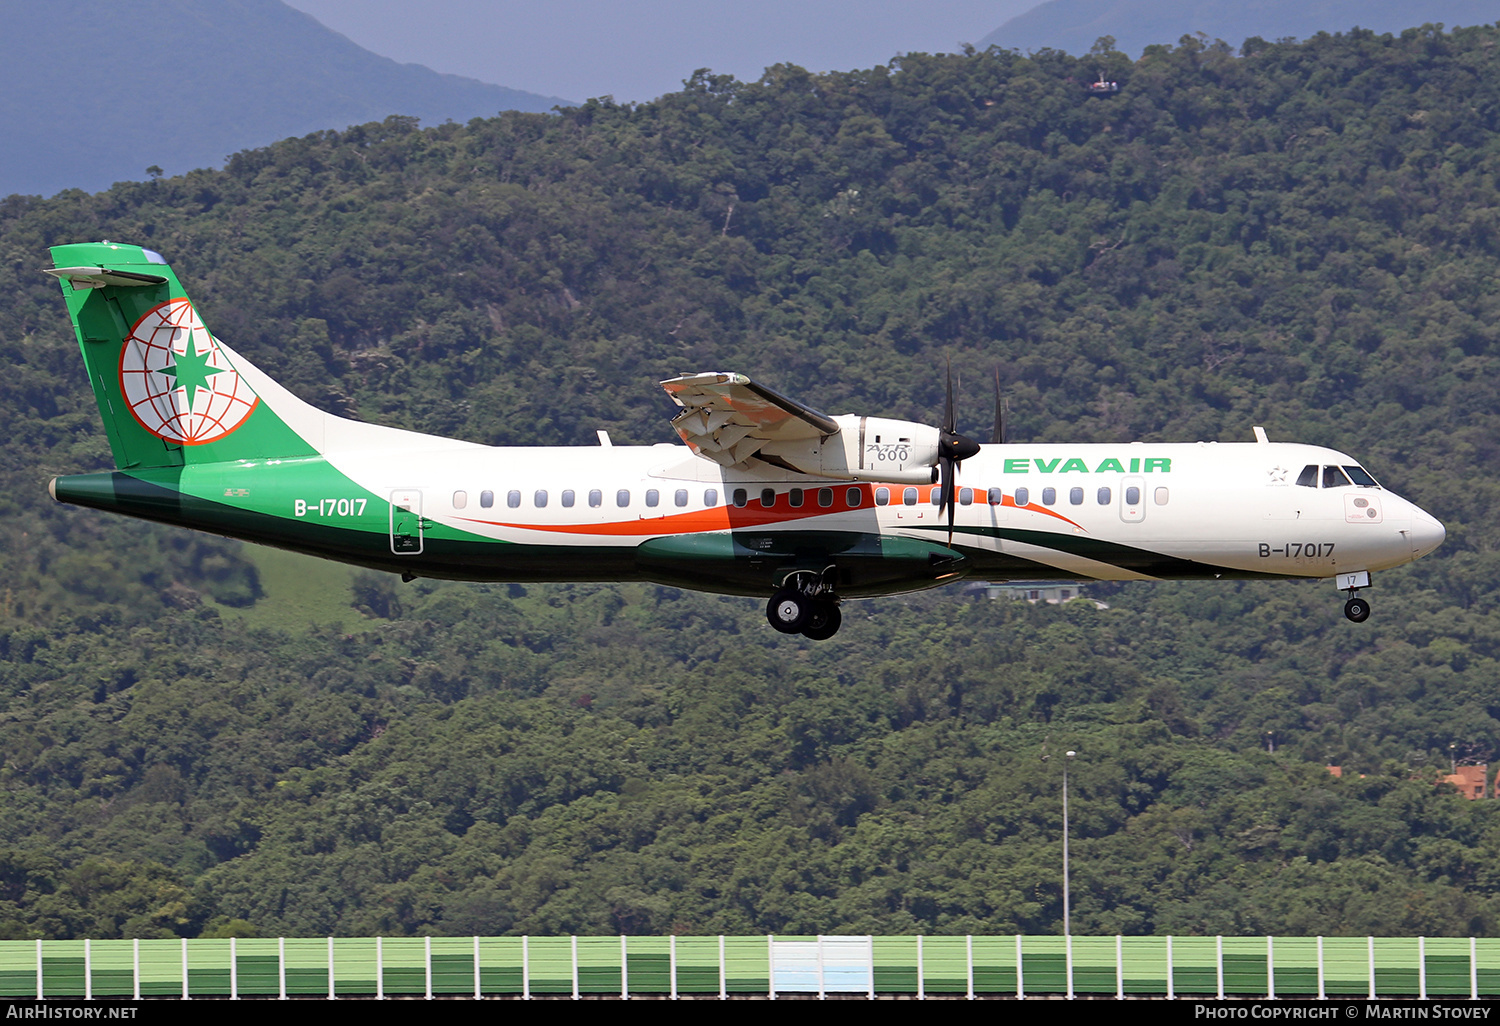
x: 729, y: 419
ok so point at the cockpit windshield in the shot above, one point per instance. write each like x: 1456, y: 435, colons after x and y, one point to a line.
x: 1346, y: 476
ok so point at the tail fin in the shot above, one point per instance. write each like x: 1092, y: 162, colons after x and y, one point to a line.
x: 169, y: 392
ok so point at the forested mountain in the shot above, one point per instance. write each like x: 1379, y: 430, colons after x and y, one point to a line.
x: 1074, y: 25
x: 92, y: 94
x: 1302, y: 237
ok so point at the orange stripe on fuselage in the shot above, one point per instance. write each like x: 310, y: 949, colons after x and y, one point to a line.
x: 737, y: 518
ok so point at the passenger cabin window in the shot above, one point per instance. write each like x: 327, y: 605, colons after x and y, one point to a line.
x: 853, y: 497
x: 1075, y: 496
x: 1309, y: 476
x: 622, y: 498
x: 653, y: 497
x: 966, y: 496
x: 513, y: 498
x: 540, y: 498
x: 1162, y: 495
x: 567, y: 497
x: 882, y: 496
x: 460, y: 500
x: 680, y: 497
x: 994, y: 497
x: 1333, y: 477
x: 909, y: 496
x: 936, y: 497
x: 794, y: 497
x: 1049, y: 496
x: 486, y: 498
x: 1023, y: 496
x: 768, y: 497
x: 1133, y: 496
x: 711, y: 497
x: 596, y: 498
x: 1104, y: 496
x: 741, y: 498
x: 825, y: 497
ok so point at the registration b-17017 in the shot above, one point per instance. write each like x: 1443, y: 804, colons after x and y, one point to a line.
x: 768, y: 496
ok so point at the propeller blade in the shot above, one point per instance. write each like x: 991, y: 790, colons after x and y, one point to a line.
x: 998, y: 435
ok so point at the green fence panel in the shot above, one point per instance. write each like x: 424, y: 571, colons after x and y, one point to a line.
x: 1395, y: 966
x: 1346, y: 967
x: 1447, y: 966
x: 994, y: 965
x: 208, y: 967
x: 1296, y: 965
x: 62, y: 969
x: 1245, y: 965
x: 599, y: 965
x: 307, y: 965
x: 500, y: 965
x: 697, y: 965
x: 895, y: 965
x: 1487, y: 965
x: 112, y: 968
x: 1044, y: 965
x: 257, y: 962
x: 1195, y: 965
x: 747, y: 965
x: 403, y: 965
x: 453, y: 965
x: 650, y: 968
x: 945, y: 965
x: 1145, y: 961
x: 354, y: 965
x: 18, y: 969
x: 1094, y: 965
x: 161, y: 968
x: 550, y: 962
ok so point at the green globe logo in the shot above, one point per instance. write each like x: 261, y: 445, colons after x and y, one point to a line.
x: 177, y: 380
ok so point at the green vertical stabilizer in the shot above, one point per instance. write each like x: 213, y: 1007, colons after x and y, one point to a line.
x: 169, y: 392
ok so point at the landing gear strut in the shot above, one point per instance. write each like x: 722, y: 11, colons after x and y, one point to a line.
x: 804, y: 606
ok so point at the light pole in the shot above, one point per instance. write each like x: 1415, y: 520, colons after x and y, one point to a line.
x: 1067, y: 920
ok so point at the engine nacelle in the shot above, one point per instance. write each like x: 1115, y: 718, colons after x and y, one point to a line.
x: 866, y: 449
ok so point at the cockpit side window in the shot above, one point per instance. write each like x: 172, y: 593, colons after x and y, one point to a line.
x: 1361, y: 476
x: 1309, y: 476
x: 1333, y: 477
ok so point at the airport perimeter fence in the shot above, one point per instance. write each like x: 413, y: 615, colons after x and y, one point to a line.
x: 536, y: 967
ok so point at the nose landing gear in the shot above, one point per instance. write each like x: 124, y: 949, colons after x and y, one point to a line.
x: 1356, y: 609
x: 804, y: 605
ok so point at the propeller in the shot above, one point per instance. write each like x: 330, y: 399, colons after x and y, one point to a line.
x: 953, y: 449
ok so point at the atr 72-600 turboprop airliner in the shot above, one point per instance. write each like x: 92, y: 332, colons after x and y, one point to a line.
x: 769, y: 496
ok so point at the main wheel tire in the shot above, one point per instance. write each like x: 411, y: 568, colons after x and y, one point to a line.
x: 824, y: 623
x: 789, y: 611
x: 1357, y: 609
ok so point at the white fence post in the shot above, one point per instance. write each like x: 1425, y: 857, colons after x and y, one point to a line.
x: 969, y: 946
x: 525, y: 967
x: 1270, y: 968
x: 332, y: 992
x: 921, y: 972
x: 1422, y: 968
x: 1119, y: 967
x: 379, y: 968
x: 88, y: 970
x: 234, y: 971
x: 136, y: 967
x: 1020, y: 972
x: 1371, y: 944
x: 281, y: 967
x: 1171, y: 983
x: 1322, y: 993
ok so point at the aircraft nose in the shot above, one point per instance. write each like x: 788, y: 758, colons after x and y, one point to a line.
x: 1427, y: 533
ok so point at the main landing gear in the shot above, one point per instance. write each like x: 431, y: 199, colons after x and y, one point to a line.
x: 1356, y: 609
x: 811, y: 611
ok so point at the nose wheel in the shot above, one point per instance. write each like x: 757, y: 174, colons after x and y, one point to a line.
x: 1357, y: 609
x: 815, y: 617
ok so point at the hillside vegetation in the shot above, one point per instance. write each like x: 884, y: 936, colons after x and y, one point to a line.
x: 1302, y: 237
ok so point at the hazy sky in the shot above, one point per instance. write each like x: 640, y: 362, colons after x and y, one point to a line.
x: 578, y: 49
